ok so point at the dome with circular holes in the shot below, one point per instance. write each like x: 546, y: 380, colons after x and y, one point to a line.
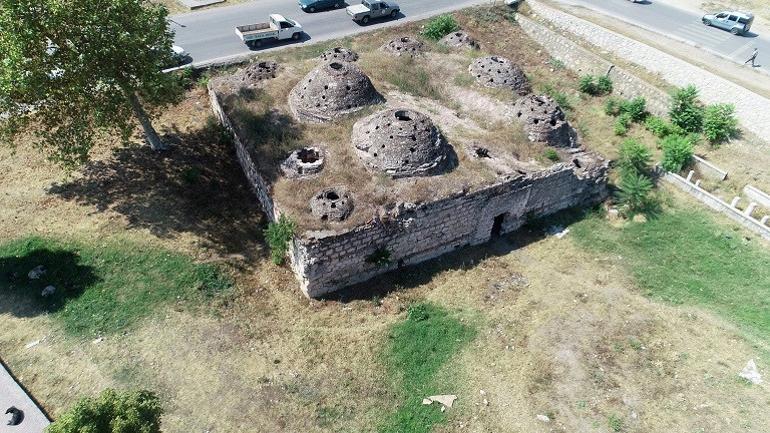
x: 332, y: 90
x: 259, y: 71
x: 460, y: 39
x: 404, y: 46
x: 401, y: 143
x: 340, y: 54
x: 544, y: 121
x: 303, y: 162
x: 500, y: 72
x: 332, y: 204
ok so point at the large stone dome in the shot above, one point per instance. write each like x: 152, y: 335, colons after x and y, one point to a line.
x: 339, y: 54
x: 404, y: 46
x: 497, y: 71
x: 544, y: 121
x: 460, y: 39
x: 332, y: 90
x: 401, y: 143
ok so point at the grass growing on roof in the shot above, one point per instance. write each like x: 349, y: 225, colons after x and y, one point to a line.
x: 102, y: 289
x: 419, y: 348
x: 684, y: 257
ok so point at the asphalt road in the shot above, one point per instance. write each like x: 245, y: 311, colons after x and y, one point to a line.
x: 658, y: 16
x: 209, y: 35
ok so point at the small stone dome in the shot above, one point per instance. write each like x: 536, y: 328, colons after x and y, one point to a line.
x: 544, y: 121
x: 401, y: 143
x: 404, y: 46
x: 497, y: 71
x: 304, y: 162
x: 332, y: 90
x: 332, y: 204
x: 259, y: 71
x: 460, y: 39
x: 339, y: 54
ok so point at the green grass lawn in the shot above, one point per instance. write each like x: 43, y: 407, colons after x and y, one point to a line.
x: 685, y: 257
x: 102, y: 288
x: 418, y: 348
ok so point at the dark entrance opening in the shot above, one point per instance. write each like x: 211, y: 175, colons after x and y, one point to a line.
x: 497, y: 225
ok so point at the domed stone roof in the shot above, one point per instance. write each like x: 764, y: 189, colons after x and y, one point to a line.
x: 544, y: 121
x: 332, y: 204
x: 332, y: 90
x: 460, y: 39
x: 259, y: 71
x: 339, y: 54
x: 404, y: 46
x: 497, y: 71
x: 401, y: 143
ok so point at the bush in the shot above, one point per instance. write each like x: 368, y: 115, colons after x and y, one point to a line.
x: 112, y: 412
x: 635, y: 108
x: 660, y: 128
x: 603, y: 85
x: 559, y: 97
x: 551, y: 155
x: 635, y: 158
x: 622, y: 123
x: 278, y: 235
x: 677, y: 152
x: 719, y: 122
x: 612, y: 106
x: 380, y: 257
x: 595, y: 86
x: 634, y: 193
x: 440, y: 26
x: 686, y: 112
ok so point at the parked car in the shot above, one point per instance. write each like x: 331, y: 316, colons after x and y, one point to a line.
x: 314, y: 5
x: 737, y: 23
x: 278, y: 28
x: 372, y: 9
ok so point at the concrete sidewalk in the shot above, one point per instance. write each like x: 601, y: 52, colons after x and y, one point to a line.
x: 752, y: 109
x: 12, y: 394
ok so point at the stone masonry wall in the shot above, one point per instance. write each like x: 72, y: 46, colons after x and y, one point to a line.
x: 245, y: 158
x: 582, y: 62
x: 324, y: 262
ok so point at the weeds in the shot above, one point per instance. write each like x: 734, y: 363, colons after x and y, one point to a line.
x: 278, y: 235
x: 595, y: 86
x: 440, y: 26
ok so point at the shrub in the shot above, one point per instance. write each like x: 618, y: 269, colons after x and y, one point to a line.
x: 612, y: 106
x: 112, y: 412
x: 622, y: 123
x: 278, y: 235
x: 440, y: 26
x: 556, y: 63
x: 551, y: 155
x: 659, y: 127
x: 634, y: 192
x: 559, y: 97
x: 603, y: 85
x: 595, y: 86
x: 719, y: 122
x: 686, y: 112
x: 635, y: 158
x: 380, y: 257
x: 635, y: 108
x: 677, y: 152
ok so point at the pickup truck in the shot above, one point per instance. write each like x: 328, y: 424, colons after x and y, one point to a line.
x: 371, y: 9
x: 278, y: 28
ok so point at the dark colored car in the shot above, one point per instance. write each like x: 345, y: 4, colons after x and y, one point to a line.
x: 314, y: 5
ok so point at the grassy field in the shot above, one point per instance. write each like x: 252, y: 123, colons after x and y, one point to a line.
x: 592, y: 330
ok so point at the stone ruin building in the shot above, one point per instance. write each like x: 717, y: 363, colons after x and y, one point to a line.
x: 331, y: 90
x: 544, y: 121
x: 401, y: 143
x: 407, y: 146
x: 460, y: 39
x: 404, y: 46
x: 495, y: 71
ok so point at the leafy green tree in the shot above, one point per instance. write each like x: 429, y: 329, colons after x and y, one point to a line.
x: 686, y: 111
x: 112, y: 412
x: 73, y: 71
x: 635, y: 158
x: 634, y: 193
x: 677, y: 152
x: 719, y: 122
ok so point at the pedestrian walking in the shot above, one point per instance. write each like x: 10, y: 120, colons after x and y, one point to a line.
x: 753, y: 58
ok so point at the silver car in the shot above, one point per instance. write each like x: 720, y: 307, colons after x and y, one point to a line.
x: 737, y: 23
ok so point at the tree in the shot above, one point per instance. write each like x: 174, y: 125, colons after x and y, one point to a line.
x: 719, y: 122
x: 634, y: 193
x: 677, y: 152
x: 686, y: 112
x: 634, y: 158
x: 112, y: 412
x: 73, y: 71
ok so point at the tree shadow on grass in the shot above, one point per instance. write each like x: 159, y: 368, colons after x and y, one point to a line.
x: 467, y: 257
x: 63, y: 271
x: 196, y: 187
